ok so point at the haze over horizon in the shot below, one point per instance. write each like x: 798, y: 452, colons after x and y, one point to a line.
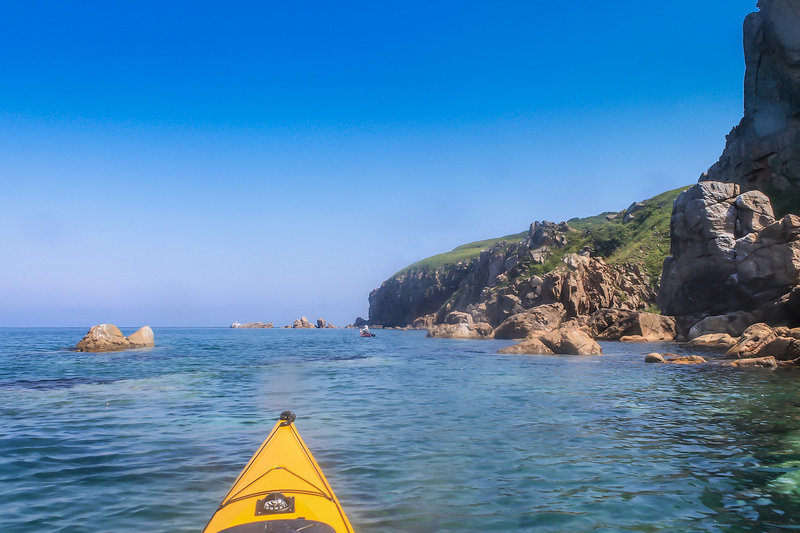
x: 199, y: 163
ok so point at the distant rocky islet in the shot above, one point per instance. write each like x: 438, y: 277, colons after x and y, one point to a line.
x: 300, y: 323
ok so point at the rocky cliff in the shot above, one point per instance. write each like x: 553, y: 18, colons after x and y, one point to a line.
x: 763, y: 151
x: 583, y: 265
x: 731, y: 257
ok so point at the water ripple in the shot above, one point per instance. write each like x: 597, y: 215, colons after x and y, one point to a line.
x: 415, y: 434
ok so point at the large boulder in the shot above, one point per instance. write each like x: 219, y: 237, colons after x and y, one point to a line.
x: 108, y: 338
x: 566, y: 341
x: 714, y: 340
x: 752, y: 341
x: 142, y: 337
x: 542, y: 318
x: 716, y: 268
x: 632, y: 326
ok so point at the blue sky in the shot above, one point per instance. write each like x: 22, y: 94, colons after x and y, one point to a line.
x: 196, y: 163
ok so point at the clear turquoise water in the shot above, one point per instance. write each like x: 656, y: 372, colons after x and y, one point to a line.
x: 414, y: 434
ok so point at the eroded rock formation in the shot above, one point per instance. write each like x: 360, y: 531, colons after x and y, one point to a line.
x: 729, y: 254
x: 763, y: 151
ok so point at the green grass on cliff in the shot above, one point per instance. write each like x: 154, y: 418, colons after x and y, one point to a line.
x: 465, y: 252
x: 643, y: 239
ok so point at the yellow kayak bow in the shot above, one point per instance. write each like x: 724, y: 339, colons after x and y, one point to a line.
x: 281, y: 490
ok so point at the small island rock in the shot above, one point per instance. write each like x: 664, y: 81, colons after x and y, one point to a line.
x: 108, y: 338
x: 253, y: 325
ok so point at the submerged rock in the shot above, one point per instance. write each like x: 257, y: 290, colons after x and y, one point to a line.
x: 108, y: 338
x: 757, y: 362
x: 654, y: 358
x: 675, y: 359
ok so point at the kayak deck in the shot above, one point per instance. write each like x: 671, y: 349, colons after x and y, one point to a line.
x: 281, y: 490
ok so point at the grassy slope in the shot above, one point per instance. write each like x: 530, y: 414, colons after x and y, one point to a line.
x: 465, y: 252
x: 644, y: 239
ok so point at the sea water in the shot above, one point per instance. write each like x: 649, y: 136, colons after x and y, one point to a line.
x: 414, y: 434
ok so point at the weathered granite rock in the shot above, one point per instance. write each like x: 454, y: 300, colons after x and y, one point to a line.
x: 631, y: 326
x: 561, y: 341
x: 542, y: 318
x: 108, y: 338
x: 586, y: 284
x: 763, y: 151
x: 321, y: 323
x: 253, y: 325
x: 752, y: 341
x: 424, y: 322
x: 142, y: 337
x: 733, y: 324
x: 714, y: 340
x: 571, y: 341
x: 532, y: 346
x: 715, y: 269
x: 756, y: 362
x: 458, y: 317
x: 462, y: 330
x: 302, y: 323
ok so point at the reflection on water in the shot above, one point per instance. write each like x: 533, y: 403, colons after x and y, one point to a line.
x: 415, y: 434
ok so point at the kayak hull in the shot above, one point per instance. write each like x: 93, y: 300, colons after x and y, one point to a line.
x: 281, y: 490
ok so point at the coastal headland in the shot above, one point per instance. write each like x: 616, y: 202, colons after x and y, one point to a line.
x: 712, y: 259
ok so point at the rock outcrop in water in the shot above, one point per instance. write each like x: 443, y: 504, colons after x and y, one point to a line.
x: 763, y: 151
x: 108, y: 338
x: 567, y: 341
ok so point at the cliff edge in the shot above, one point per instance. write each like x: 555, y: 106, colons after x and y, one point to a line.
x: 763, y: 151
